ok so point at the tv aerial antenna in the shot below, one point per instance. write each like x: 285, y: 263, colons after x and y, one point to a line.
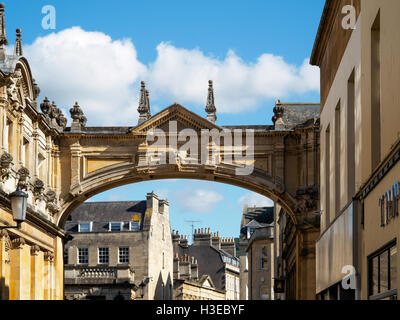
x: 192, y: 223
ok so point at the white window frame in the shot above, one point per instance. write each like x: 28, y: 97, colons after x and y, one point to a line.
x: 115, y: 222
x: 90, y: 223
x: 131, y: 223
x: 119, y: 255
x: 108, y: 255
x: 83, y: 263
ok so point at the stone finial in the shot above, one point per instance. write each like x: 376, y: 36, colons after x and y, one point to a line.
x: 278, y: 115
x: 45, y: 106
x: 3, y: 36
x: 36, y: 89
x: 144, y: 104
x: 18, y: 44
x: 210, y: 106
x: 78, y: 118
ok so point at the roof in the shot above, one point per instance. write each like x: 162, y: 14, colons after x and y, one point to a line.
x: 100, y: 213
x: 295, y: 114
x: 260, y: 214
x: 263, y: 233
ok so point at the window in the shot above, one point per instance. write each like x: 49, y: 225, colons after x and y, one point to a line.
x: 83, y: 255
x: 249, y: 232
x: 375, y: 93
x: 383, y: 273
x: 327, y: 176
x: 337, y: 158
x: 85, y: 227
x: 65, y: 255
x: 103, y: 256
x: 115, y: 226
x: 134, y: 225
x: 264, y: 258
x: 351, y: 160
x: 123, y: 255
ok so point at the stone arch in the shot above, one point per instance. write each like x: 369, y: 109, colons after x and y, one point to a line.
x: 118, y: 175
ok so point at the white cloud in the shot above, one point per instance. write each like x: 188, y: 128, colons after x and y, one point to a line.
x: 252, y: 199
x: 199, y: 200
x: 88, y: 67
x: 103, y: 75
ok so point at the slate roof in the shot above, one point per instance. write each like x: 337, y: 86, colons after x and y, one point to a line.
x: 260, y: 214
x: 295, y: 114
x: 101, y: 213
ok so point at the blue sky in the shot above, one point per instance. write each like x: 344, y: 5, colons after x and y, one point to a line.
x: 255, y: 51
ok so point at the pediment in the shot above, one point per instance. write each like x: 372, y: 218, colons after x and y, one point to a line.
x: 185, y: 119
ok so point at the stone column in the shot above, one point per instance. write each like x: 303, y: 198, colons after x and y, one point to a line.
x: 59, y: 270
x: 20, y: 270
x: 47, y: 276
x: 37, y: 265
x: 5, y: 245
x: 75, y: 163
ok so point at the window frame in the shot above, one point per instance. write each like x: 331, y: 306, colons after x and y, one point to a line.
x: 115, y: 222
x: 90, y: 223
x: 132, y: 222
x: 99, y: 255
x: 79, y: 255
x: 119, y: 255
x: 377, y: 254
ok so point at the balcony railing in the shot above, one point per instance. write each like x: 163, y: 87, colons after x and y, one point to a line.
x: 98, y: 274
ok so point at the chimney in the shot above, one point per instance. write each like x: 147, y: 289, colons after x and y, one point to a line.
x: 175, y: 238
x: 163, y: 207
x: 194, y: 269
x: 228, y: 245
x: 202, y: 237
x: 152, y: 201
x: 184, y: 242
x: 216, y: 240
x: 185, y: 267
x: 176, y: 267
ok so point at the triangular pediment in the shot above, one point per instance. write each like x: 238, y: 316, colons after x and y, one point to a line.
x: 185, y: 119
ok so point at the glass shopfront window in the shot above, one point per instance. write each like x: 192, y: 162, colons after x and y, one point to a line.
x: 383, y: 273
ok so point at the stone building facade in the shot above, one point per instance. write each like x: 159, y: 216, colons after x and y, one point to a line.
x: 360, y: 150
x: 31, y: 257
x: 215, y: 257
x: 256, y: 255
x: 188, y: 285
x: 119, y: 250
x: 60, y: 166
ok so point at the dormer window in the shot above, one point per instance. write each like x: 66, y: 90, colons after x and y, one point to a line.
x: 134, y: 225
x: 85, y: 227
x: 115, y: 226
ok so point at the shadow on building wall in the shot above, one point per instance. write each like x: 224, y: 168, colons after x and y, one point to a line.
x: 4, y: 290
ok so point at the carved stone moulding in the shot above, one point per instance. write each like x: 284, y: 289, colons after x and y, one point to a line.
x: 38, y: 189
x: 52, y: 202
x: 23, y: 174
x: 5, y: 164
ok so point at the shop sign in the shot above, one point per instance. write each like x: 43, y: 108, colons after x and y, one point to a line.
x: 389, y: 204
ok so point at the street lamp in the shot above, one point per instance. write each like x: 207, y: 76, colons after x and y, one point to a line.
x: 18, y: 205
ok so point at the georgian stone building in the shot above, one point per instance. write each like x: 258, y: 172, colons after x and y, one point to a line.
x: 119, y: 250
x: 213, y: 256
x: 256, y: 255
x: 360, y: 149
x: 188, y: 285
